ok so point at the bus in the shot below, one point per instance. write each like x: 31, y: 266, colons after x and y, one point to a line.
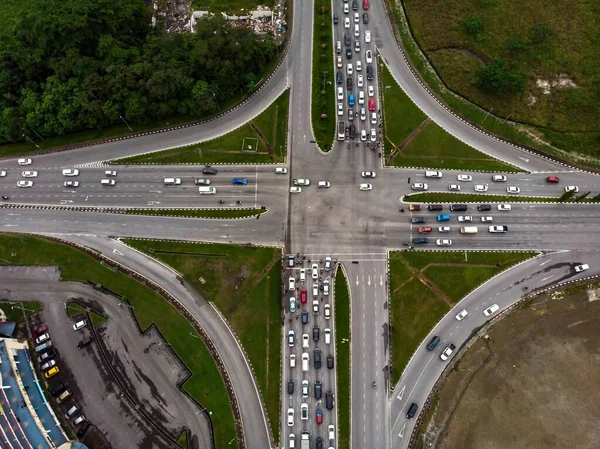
x: 341, y: 130
x: 468, y: 230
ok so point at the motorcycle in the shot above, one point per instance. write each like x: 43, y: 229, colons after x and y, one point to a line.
x: 221, y: 202
x: 5, y: 198
x: 401, y: 210
x: 405, y: 244
x: 239, y: 202
x: 374, y: 384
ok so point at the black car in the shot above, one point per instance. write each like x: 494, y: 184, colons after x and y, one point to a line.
x: 433, y: 343
x: 349, y: 83
x: 209, y: 171
x: 347, y: 40
x: 419, y: 240
x: 83, y: 429
x: 348, y: 53
x: 484, y: 207
x: 458, y: 207
x: 370, y: 72
x: 304, y: 317
x: 317, y: 358
x: 318, y: 389
x: 85, y: 342
x: 57, y: 390
x: 335, y: 19
x: 352, y: 131
x: 319, y: 443
x: 316, y: 334
x: 290, y: 387
x: 417, y: 220
x: 412, y: 411
x: 329, y: 361
x: 329, y: 400
x: 365, y: 18
x: 339, y: 77
x: 354, y: 5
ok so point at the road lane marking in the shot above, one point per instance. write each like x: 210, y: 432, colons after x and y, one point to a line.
x: 544, y: 263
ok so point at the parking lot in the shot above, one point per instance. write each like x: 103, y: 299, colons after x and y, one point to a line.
x: 125, y: 384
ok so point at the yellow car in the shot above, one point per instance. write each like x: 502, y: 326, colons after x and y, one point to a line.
x: 51, y: 372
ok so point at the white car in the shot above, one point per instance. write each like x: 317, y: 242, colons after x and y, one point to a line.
x: 368, y: 174
x: 358, y: 66
x: 292, y: 437
x: 367, y: 36
x: 513, y: 189
x: 463, y: 313
x: 340, y: 109
x: 491, y: 310
x: 290, y: 417
x: 302, y: 275
x: 25, y: 161
x: 419, y: 186
x: 453, y: 187
x: 447, y: 352
x: 444, y: 229
x: 363, y: 135
x: 361, y: 97
x: 2, y: 173
x: 304, y: 388
x: 292, y: 284
x: 49, y: 364
x: 580, y: 268
x: 315, y: 271
x: 481, y: 187
x: 486, y: 219
x: 369, y: 56
x: 356, y: 30
x: 340, y: 94
x: 281, y: 170
x: 79, y: 325
x: 315, y: 306
x: 328, y: 263
x: 326, y: 287
x: 327, y: 336
x: 465, y: 178
x: 371, y: 92
x: 29, y: 174
x: 291, y: 338
x: 499, y: 178
x: 366, y: 187
x: 301, y: 182
x: 304, y: 411
x: 339, y: 65
x: 305, y: 340
x: 315, y: 289
x: 346, y: 22
x: 110, y: 173
x: 71, y: 183
x: 356, y: 18
x: 292, y: 360
x: 571, y: 189
x: 349, y: 69
x: 443, y: 242
x: 346, y: 8
x: 373, y: 135
x: 70, y: 172
x: 363, y: 114
x: 504, y: 207
x: 295, y: 189
x: 360, y: 82
x: 327, y: 310
x: 465, y: 218
x: 24, y: 184
x: 331, y: 432
x: 373, y: 118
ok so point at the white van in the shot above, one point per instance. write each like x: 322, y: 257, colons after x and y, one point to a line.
x: 327, y: 336
x: 433, y: 174
x: 207, y: 190
x: 305, y: 361
x: 108, y: 182
x: 324, y: 184
x: 338, y: 47
x: 292, y: 360
x: 172, y: 181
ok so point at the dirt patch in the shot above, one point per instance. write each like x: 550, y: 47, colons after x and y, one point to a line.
x: 531, y: 384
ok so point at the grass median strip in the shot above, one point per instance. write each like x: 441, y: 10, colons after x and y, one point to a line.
x: 323, y: 81
x: 342, y: 345
x: 244, y: 283
x: 206, y: 384
x: 198, y: 213
x: 424, y: 286
x: 448, y: 197
x: 260, y: 141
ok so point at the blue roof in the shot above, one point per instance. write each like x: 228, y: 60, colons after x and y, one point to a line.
x: 7, y: 328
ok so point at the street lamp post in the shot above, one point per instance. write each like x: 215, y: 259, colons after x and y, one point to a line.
x: 125, y: 121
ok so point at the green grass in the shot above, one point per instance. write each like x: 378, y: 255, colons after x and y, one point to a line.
x: 523, y: 135
x: 205, y: 385
x: 323, y: 76
x: 244, y: 283
x: 16, y: 314
x: 182, y: 440
x: 425, y: 285
x: 342, y: 342
x: 74, y: 309
x: 230, y: 7
x: 96, y: 318
x: 449, y: 197
x: 271, y: 126
x: 198, y: 213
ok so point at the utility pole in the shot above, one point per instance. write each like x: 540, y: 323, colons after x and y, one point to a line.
x: 124, y: 121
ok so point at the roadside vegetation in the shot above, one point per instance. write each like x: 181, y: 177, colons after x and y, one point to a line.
x: 198, y: 213
x: 343, y: 341
x: 424, y: 286
x: 266, y: 134
x: 451, y: 197
x: 230, y: 7
x: 14, y: 309
x: 244, y: 283
x: 412, y: 140
x: 500, y: 126
x: 324, y: 118
x: 206, y: 384
x: 70, y: 67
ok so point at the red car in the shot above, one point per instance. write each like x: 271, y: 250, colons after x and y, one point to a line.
x: 40, y: 330
x: 319, y: 416
x: 552, y: 180
x: 365, y: 4
x: 303, y: 296
x: 425, y: 229
x: 371, y: 104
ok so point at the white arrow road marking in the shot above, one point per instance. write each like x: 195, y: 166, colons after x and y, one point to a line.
x: 401, y: 434
x: 357, y: 280
x: 369, y: 281
x: 401, y: 393
x: 116, y: 251
x: 155, y: 191
x: 524, y: 159
x: 380, y: 280
x: 10, y: 215
x: 66, y: 201
x: 11, y: 226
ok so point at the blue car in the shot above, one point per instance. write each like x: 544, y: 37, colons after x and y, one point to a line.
x: 239, y: 181
x: 444, y: 217
x: 351, y: 100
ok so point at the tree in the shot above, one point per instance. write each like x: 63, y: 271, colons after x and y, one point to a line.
x: 497, y: 78
x: 474, y: 27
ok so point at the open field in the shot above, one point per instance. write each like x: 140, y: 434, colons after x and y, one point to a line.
x: 552, y: 47
x: 343, y: 342
x: 425, y: 285
x: 532, y: 384
x: 266, y: 133
x: 206, y: 384
x: 239, y: 281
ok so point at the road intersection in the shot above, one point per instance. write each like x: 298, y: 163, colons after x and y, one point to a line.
x: 356, y: 228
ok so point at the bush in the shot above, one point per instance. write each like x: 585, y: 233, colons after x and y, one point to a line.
x: 497, y: 78
x: 473, y: 26
x: 540, y: 33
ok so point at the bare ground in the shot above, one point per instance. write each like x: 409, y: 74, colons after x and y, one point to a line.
x: 532, y: 384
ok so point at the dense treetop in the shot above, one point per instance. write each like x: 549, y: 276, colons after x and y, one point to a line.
x: 70, y: 65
